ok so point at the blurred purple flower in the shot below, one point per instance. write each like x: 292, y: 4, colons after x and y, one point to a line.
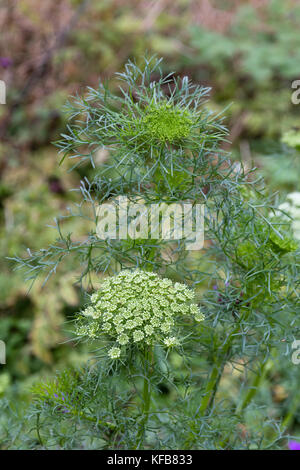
x: 294, y: 445
x: 5, y: 62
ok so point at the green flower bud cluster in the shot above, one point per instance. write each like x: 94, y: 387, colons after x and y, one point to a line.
x: 160, y: 123
x: 250, y: 256
x: 167, y: 123
x: 282, y: 245
x: 137, y: 307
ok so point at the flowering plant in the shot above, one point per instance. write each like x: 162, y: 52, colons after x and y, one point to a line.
x: 158, y: 383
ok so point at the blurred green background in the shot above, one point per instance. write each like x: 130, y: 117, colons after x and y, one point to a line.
x: 248, y: 51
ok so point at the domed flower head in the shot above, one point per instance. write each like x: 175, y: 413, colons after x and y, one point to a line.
x: 136, y: 308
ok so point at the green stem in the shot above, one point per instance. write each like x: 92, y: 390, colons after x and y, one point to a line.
x: 295, y: 403
x: 259, y: 376
x: 146, y: 397
x: 288, y: 419
x: 38, y: 430
x: 212, y: 386
x: 217, y: 371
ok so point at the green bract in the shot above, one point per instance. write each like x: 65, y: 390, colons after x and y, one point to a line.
x: 136, y: 308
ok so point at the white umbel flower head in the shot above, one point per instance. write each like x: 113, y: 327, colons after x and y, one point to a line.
x: 114, y: 353
x: 137, y: 308
x: 171, y: 341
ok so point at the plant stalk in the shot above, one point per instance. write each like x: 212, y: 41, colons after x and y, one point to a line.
x: 146, y: 397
